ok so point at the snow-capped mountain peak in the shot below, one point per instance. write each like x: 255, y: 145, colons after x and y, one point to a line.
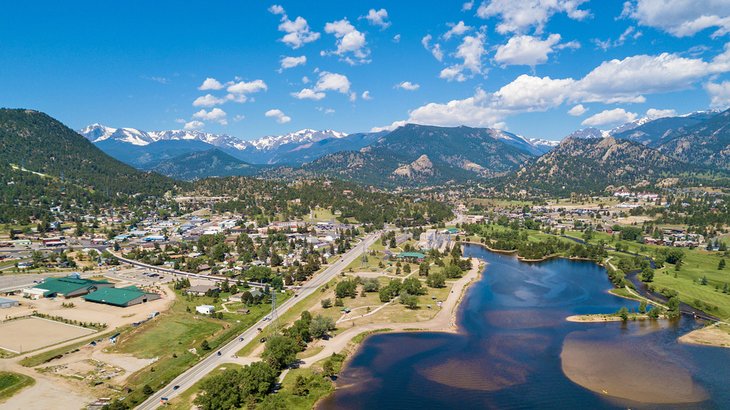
x: 97, y: 133
x: 303, y: 136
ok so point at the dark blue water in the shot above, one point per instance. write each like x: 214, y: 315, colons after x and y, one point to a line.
x: 515, y: 350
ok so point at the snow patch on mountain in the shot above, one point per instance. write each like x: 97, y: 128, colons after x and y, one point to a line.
x: 97, y: 133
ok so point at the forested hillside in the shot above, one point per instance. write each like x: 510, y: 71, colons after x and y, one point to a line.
x: 43, y: 163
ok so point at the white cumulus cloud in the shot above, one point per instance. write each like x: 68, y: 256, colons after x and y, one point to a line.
x: 654, y: 113
x: 471, y: 51
x: 244, y: 87
x: 378, y: 18
x: 456, y: 30
x: 297, y: 31
x: 215, y: 115
x: 526, y: 50
x: 279, y: 115
x: 210, y: 84
x: 609, y: 117
x: 681, y: 18
x: 291, y: 62
x: 208, y: 100
x: 327, y: 82
x: 436, y: 51
x: 577, y: 110
x: 308, y: 94
x: 521, y: 16
x: 194, y: 125
x: 349, y: 41
x: 333, y: 82
x: 407, y: 85
x: 366, y: 95
x: 719, y: 93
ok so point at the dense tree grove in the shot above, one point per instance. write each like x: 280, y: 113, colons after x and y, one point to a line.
x: 233, y: 389
x: 266, y: 199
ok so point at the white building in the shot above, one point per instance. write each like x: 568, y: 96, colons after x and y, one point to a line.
x: 205, y: 309
x: 34, y: 293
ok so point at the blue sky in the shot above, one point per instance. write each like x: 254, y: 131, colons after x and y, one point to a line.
x: 540, y: 68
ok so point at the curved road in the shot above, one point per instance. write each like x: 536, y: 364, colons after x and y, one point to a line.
x: 209, y: 363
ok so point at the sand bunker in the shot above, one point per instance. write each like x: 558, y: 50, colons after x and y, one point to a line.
x: 628, y: 372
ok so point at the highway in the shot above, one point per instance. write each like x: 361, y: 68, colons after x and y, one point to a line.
x: 209, y: 363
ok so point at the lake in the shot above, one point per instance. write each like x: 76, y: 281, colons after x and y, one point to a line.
x: 516, y: 351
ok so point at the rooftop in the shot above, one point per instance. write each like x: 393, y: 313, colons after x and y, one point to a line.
x: 67, y: 285
x: 115, y: 296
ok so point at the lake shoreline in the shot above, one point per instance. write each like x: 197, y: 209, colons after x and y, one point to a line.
x: 445, y: 321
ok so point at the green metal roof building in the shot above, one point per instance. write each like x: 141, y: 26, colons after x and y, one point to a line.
x: 411, y: 255
x: 122, y: 297
x: 70, y: 287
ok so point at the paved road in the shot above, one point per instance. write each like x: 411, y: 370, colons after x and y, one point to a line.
x: 209, y: 363
x: 177, y: 272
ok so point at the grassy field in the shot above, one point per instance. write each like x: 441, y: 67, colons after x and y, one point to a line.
x: 11, y: 383
x: 175, y: 339
x: 320, y: 215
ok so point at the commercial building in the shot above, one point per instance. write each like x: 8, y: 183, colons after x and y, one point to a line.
x: 68, y: 287
x: 122, y: 297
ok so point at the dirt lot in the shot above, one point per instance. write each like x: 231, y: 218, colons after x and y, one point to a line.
x: 24, y: 335
x: 88, y: 311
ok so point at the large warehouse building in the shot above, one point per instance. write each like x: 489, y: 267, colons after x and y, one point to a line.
x: 68, y: 287
x: 122, y: 297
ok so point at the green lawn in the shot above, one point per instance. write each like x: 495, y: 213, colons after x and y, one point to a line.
x: 320, y: 215
x: 11, y: 383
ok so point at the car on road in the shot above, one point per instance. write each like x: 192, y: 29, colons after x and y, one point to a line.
x: 219, y: 353
x: 175, y: 387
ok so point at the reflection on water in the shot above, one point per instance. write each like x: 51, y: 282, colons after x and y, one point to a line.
x: 517, y: 351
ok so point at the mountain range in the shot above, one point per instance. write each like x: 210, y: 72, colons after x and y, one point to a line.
x: 417, y: 155
x: 635, y: 154
x: 145, y: 149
